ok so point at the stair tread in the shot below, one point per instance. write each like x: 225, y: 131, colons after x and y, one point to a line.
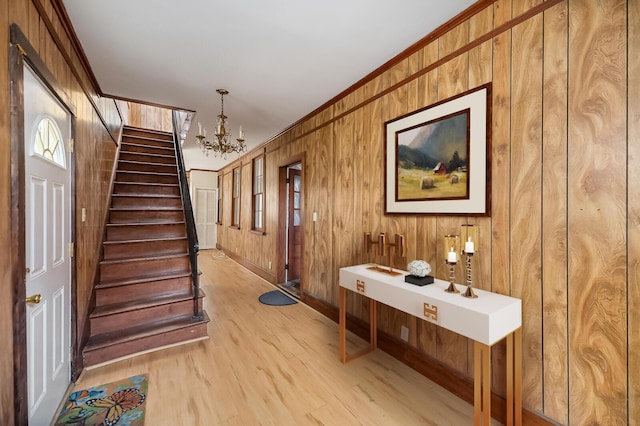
x: 139, y: 143
x: 120, y: 336
x: 119, y: 182
x: 143, y: 129
x: 150, y: 240
x: 141, y: 279
x: 145, y: 153
x: 134, y: 172
x: 146, y: 223
x: 128, y: 195
x: 137, y: 304
x: 146, y: 163
x: 137, y: 259
x: 141, y: 209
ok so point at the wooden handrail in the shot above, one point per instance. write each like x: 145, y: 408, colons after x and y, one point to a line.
x: 192, y: 235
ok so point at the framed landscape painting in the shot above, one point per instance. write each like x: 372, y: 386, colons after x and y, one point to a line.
x: 437, y: 159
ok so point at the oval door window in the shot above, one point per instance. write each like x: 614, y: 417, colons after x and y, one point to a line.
x: 48, y: 142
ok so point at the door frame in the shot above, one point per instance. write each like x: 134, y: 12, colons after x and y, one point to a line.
x: 281, y: 240
x: 21, y: 51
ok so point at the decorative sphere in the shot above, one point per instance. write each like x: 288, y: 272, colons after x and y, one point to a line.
x: 419, y: 268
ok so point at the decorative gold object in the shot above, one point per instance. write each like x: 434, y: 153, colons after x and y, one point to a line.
x: 35, y: 299
x: 360, y: 286
x: 383, y: 249
x: 220, y: 143
x: 451, y: 259
x: 469, y: 248
x: 431, y: 310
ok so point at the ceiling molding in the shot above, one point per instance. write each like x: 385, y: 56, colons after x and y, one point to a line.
x: 423, y: 42
x: 482, y: 39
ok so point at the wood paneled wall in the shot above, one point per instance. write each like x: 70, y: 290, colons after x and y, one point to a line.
x: 149, y: 117
x: 96, y: 134
x: 564, y: 233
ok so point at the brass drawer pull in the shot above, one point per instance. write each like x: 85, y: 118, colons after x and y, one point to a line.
x: 431, y: 310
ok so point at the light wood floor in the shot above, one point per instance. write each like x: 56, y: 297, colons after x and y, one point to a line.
x: 276, y: 366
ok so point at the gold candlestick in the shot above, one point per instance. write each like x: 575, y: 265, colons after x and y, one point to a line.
x: 469, y: 292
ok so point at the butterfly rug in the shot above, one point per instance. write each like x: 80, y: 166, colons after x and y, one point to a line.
x: 118, y: 403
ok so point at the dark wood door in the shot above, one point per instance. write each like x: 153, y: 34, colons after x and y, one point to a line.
x: 295, y: 224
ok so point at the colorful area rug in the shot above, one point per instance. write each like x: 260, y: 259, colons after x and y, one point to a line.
x: 117, y: 403
x: 276, y: 298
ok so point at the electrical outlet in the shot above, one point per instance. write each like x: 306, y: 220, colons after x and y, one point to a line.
x: 84, y: 214
x: 269, y: 264
x: 404, y: 333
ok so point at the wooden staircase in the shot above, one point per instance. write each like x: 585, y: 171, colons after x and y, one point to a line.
x: 144, y: 296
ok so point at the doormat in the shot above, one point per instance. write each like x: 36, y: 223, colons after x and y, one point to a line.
x: 276, y: 298
x: 117, y: 403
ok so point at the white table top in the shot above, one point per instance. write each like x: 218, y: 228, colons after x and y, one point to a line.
x: 487, y: 319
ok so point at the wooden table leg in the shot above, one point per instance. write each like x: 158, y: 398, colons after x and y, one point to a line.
x: 517, y: 361
x: 481, y: 384
x: 343, y: 325
x: 514, y: 378
x: 373, y: 324
x: 477, y: 384
x: 486, y: 384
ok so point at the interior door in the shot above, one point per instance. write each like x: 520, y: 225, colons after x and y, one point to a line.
x: 295, y: 225
x: 206, y: 212
x: 47, y: 129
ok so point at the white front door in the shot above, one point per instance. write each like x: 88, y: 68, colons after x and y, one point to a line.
x: 47, y: 128
x: 206, y: 214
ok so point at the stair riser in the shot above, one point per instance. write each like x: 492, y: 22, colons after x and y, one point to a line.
x: 145, y: 344
x: 141, y: 189
x: 134, y: 232
x: 144, y: 167
x: 124, y: 293
x: 145, y: 158
x: 145, y: 202
x: 144, y: 248
x: 147, y: 149
x: 120, y: 321
x: 144, y: 134
x: 145, y: 216
x: 147, y: 142
x: 117, y: 271
x: 131, y: 176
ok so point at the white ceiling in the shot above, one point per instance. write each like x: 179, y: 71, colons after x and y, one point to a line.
x: 279, y: 59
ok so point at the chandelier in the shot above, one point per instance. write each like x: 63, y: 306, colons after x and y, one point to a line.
x: 220, y: 144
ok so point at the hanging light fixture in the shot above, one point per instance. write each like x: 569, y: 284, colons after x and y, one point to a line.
x: 220, y: 144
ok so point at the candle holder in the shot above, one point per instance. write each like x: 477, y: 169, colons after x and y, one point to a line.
x: 451, y: 259
x: 469, y: 292
x: 452, y: 277
x: 468, y: 249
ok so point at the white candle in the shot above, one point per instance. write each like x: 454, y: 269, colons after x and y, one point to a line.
x: 452, y: 257
x: 468, y: 246
x: 199, y: 128
x: 240, y: 133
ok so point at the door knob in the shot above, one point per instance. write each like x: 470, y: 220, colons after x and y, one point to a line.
x: 34, y: 299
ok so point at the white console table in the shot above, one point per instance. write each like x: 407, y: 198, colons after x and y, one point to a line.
x: 486, y: 320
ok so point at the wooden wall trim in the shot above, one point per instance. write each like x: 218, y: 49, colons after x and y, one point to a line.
x: 152, y: 104
x: 433, y: 369
x: 482, y: 39
x: 61, y: 11
x: 60, y: 45
x: 26, y: 52
x: 20, y: 396
x: 265, y: 275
